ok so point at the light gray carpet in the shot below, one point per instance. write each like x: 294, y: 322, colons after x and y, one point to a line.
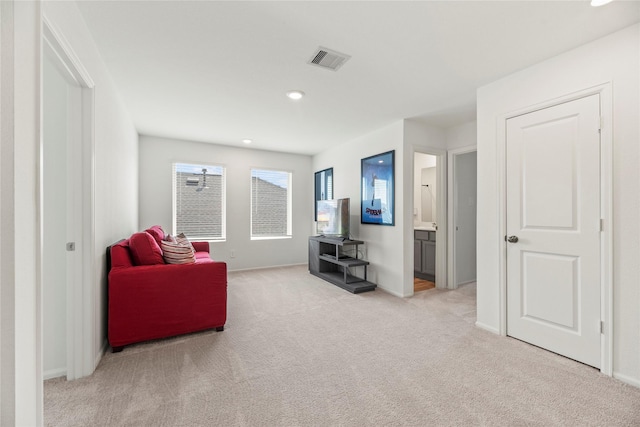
x: 299, y: 351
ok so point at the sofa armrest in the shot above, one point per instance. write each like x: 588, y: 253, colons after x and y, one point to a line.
x: 201, y: 246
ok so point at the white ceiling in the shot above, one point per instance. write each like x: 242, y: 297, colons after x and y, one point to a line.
x: 218, y: 72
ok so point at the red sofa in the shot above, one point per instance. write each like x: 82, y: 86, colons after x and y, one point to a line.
x: 159, y: 300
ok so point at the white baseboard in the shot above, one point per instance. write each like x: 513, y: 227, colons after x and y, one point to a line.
x: 54, y: 373
x: 266, y: 267
x: 626, y: 379
x: 389, y: 291
x: 488, y: 328
x: 101, y: 353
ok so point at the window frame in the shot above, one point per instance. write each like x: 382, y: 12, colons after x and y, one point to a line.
x: 223, y: 195
x: 289, y: 210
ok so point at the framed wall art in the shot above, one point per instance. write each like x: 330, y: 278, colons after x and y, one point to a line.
x: 377, y: 189
x: 323, y: 188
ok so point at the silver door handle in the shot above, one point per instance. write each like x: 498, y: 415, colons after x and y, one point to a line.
x: 512, y: 239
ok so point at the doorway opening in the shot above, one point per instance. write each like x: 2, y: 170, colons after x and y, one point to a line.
x: 60, y: 103
x: 429, y: 219
x: 66, y: 211
x: 462, y: 215
x: 425, y: 220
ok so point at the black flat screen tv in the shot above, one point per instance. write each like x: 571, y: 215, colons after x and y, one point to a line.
x: 333, y: 218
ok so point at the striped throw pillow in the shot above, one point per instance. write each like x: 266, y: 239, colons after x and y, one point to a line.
x: 176, y: 253
x: 182, y: 240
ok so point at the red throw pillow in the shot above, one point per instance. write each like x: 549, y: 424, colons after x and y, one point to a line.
x: 157, y: 233
x: 145, y: 250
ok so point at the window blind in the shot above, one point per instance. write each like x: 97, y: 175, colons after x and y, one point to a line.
x: 270, y: 203
x: 199, y: 208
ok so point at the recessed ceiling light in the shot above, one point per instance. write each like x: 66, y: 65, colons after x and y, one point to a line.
x: 596, y: 3
x: 295, y: 94
x: 247, y: 141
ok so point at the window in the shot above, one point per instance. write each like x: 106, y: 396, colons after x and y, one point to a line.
x: 324, y: 188
x: 199, y: 201
x: 270, y: 204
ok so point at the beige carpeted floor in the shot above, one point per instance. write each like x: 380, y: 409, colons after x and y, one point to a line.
x: 299, y: 351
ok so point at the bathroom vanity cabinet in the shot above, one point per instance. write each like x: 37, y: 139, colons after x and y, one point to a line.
x: 424, y: 254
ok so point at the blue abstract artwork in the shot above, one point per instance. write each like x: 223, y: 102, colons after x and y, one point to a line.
x: 377, y: 189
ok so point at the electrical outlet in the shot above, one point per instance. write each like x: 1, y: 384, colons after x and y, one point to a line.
x: 233, y: 253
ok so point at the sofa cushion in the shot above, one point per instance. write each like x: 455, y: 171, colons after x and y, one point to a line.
x: 177, y: 253
x: 200, y: 246
x: 203, y: 257
x: 157, y: 232
x: 144, y: 249
x: 120, y: 255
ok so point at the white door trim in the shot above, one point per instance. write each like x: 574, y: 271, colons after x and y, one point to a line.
x: 81, y: 295
x: 606, y: 211
x: 451, y: 187
x: 441, y: 202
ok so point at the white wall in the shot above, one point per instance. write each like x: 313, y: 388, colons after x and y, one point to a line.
x: 115, y: 197
x: 424, y: 138
x: 389, y: 249
x: 383, y: 244
x: 614, y: 59
x: 157, y: 156
x: 460, y: 136
x: 429, y: 194
x: 21, y: 370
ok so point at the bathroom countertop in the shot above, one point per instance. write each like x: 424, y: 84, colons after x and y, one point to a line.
x: 424, y: 228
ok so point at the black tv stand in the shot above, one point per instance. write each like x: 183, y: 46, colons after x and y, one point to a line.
x: 327, y: 262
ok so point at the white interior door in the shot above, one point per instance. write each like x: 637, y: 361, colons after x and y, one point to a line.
x: 553, y: 224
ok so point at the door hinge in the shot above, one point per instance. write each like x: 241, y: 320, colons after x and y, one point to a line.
x: 601, y: 124
x: 601, y: 327
x: 71, y: 246
x: 601, y: 224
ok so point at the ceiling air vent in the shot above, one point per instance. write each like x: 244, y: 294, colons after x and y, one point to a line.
x: 327, y: 58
